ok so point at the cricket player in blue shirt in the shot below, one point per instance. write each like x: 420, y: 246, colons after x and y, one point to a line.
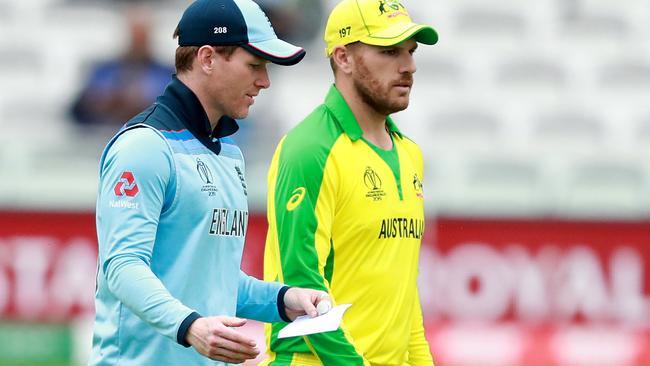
x: 172, y: 210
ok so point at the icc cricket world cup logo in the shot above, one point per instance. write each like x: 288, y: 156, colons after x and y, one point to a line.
x: 371, y: 179
x: 204, y: 172
x: 206, y: 176
x: 373, y: 183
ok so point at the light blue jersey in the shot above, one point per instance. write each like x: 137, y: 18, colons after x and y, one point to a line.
x: 171, y: 220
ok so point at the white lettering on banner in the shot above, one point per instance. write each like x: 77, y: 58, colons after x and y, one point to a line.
x: 32, y: 255
x: 4, y: 280
x: 470, y: 298
x: 51, y: 279
x: 71, y: 281
x: 531, y: 292
x: 627, y: 286
x: 476, y: 281
x: 580, y: 286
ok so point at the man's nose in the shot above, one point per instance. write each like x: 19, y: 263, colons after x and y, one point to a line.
x: 408, y: 64
x: 263, y: 81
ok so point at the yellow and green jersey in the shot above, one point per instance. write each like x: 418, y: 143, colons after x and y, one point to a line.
x: 347, y: 217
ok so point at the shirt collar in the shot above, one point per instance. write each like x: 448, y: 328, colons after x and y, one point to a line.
x: 188, y: 109
x: 335, y: 102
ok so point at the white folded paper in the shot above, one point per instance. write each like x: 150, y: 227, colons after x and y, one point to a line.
x: 304, y: 325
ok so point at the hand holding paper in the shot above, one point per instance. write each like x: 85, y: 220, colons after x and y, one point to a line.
x: 304, y: 325
x: 323, y: 307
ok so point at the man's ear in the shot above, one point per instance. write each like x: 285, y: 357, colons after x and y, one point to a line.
x: 342, y: 57
x: 206, y: 58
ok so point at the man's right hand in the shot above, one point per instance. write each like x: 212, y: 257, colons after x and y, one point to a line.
x: 214, y: 338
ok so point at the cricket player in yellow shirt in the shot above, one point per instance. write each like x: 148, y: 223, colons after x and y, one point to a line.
x: 345, y: 205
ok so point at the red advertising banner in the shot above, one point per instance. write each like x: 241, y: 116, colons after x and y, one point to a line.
x: 494, y: 292
x: 48, y: 262
x: 47, y: 265
x: 537, y: 292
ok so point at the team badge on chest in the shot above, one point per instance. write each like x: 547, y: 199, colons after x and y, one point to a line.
x: 242, y: 180
x: 417, y: 186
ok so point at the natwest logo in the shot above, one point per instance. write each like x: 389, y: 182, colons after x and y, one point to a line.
x: 126, y: 185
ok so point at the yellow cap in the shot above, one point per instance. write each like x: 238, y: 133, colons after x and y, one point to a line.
x: 374, y: 22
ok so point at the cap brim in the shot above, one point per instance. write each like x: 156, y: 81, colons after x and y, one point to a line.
x: 277, y: 51
x: 400, y: 32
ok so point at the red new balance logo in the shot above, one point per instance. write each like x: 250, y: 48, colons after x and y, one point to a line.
x: 126, y: 185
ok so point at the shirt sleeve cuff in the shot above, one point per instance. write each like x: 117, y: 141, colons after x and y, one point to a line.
x: 181, y: 336
x: 281, y: 308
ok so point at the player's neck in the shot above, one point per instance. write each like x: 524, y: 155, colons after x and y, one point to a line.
x: 376, y: 133
x: 194, y: 84
x: 372, y: 123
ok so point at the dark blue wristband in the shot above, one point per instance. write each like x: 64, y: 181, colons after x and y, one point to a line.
x: 281, y: 308
x: 181, y: 336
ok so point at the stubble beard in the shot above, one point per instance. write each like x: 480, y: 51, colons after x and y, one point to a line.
x: 374, y: 94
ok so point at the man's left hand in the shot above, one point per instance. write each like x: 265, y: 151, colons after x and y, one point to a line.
x: 300, y: 301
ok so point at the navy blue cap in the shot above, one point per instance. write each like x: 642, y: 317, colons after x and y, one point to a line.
x: 235, y: 22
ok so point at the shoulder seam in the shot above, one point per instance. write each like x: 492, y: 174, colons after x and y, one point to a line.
x: 169, y: 149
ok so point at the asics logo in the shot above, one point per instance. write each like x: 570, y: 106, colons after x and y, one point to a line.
x: 297, y: 196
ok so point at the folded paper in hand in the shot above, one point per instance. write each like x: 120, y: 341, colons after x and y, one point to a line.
x: 304, y: 325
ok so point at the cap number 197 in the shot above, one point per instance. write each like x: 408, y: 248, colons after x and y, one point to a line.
x: 344, y: 32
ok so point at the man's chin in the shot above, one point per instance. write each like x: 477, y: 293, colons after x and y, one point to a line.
x: 240, y: 115
x: 398, y: 107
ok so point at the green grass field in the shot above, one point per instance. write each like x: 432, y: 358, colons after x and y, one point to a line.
x: 35, y: 344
